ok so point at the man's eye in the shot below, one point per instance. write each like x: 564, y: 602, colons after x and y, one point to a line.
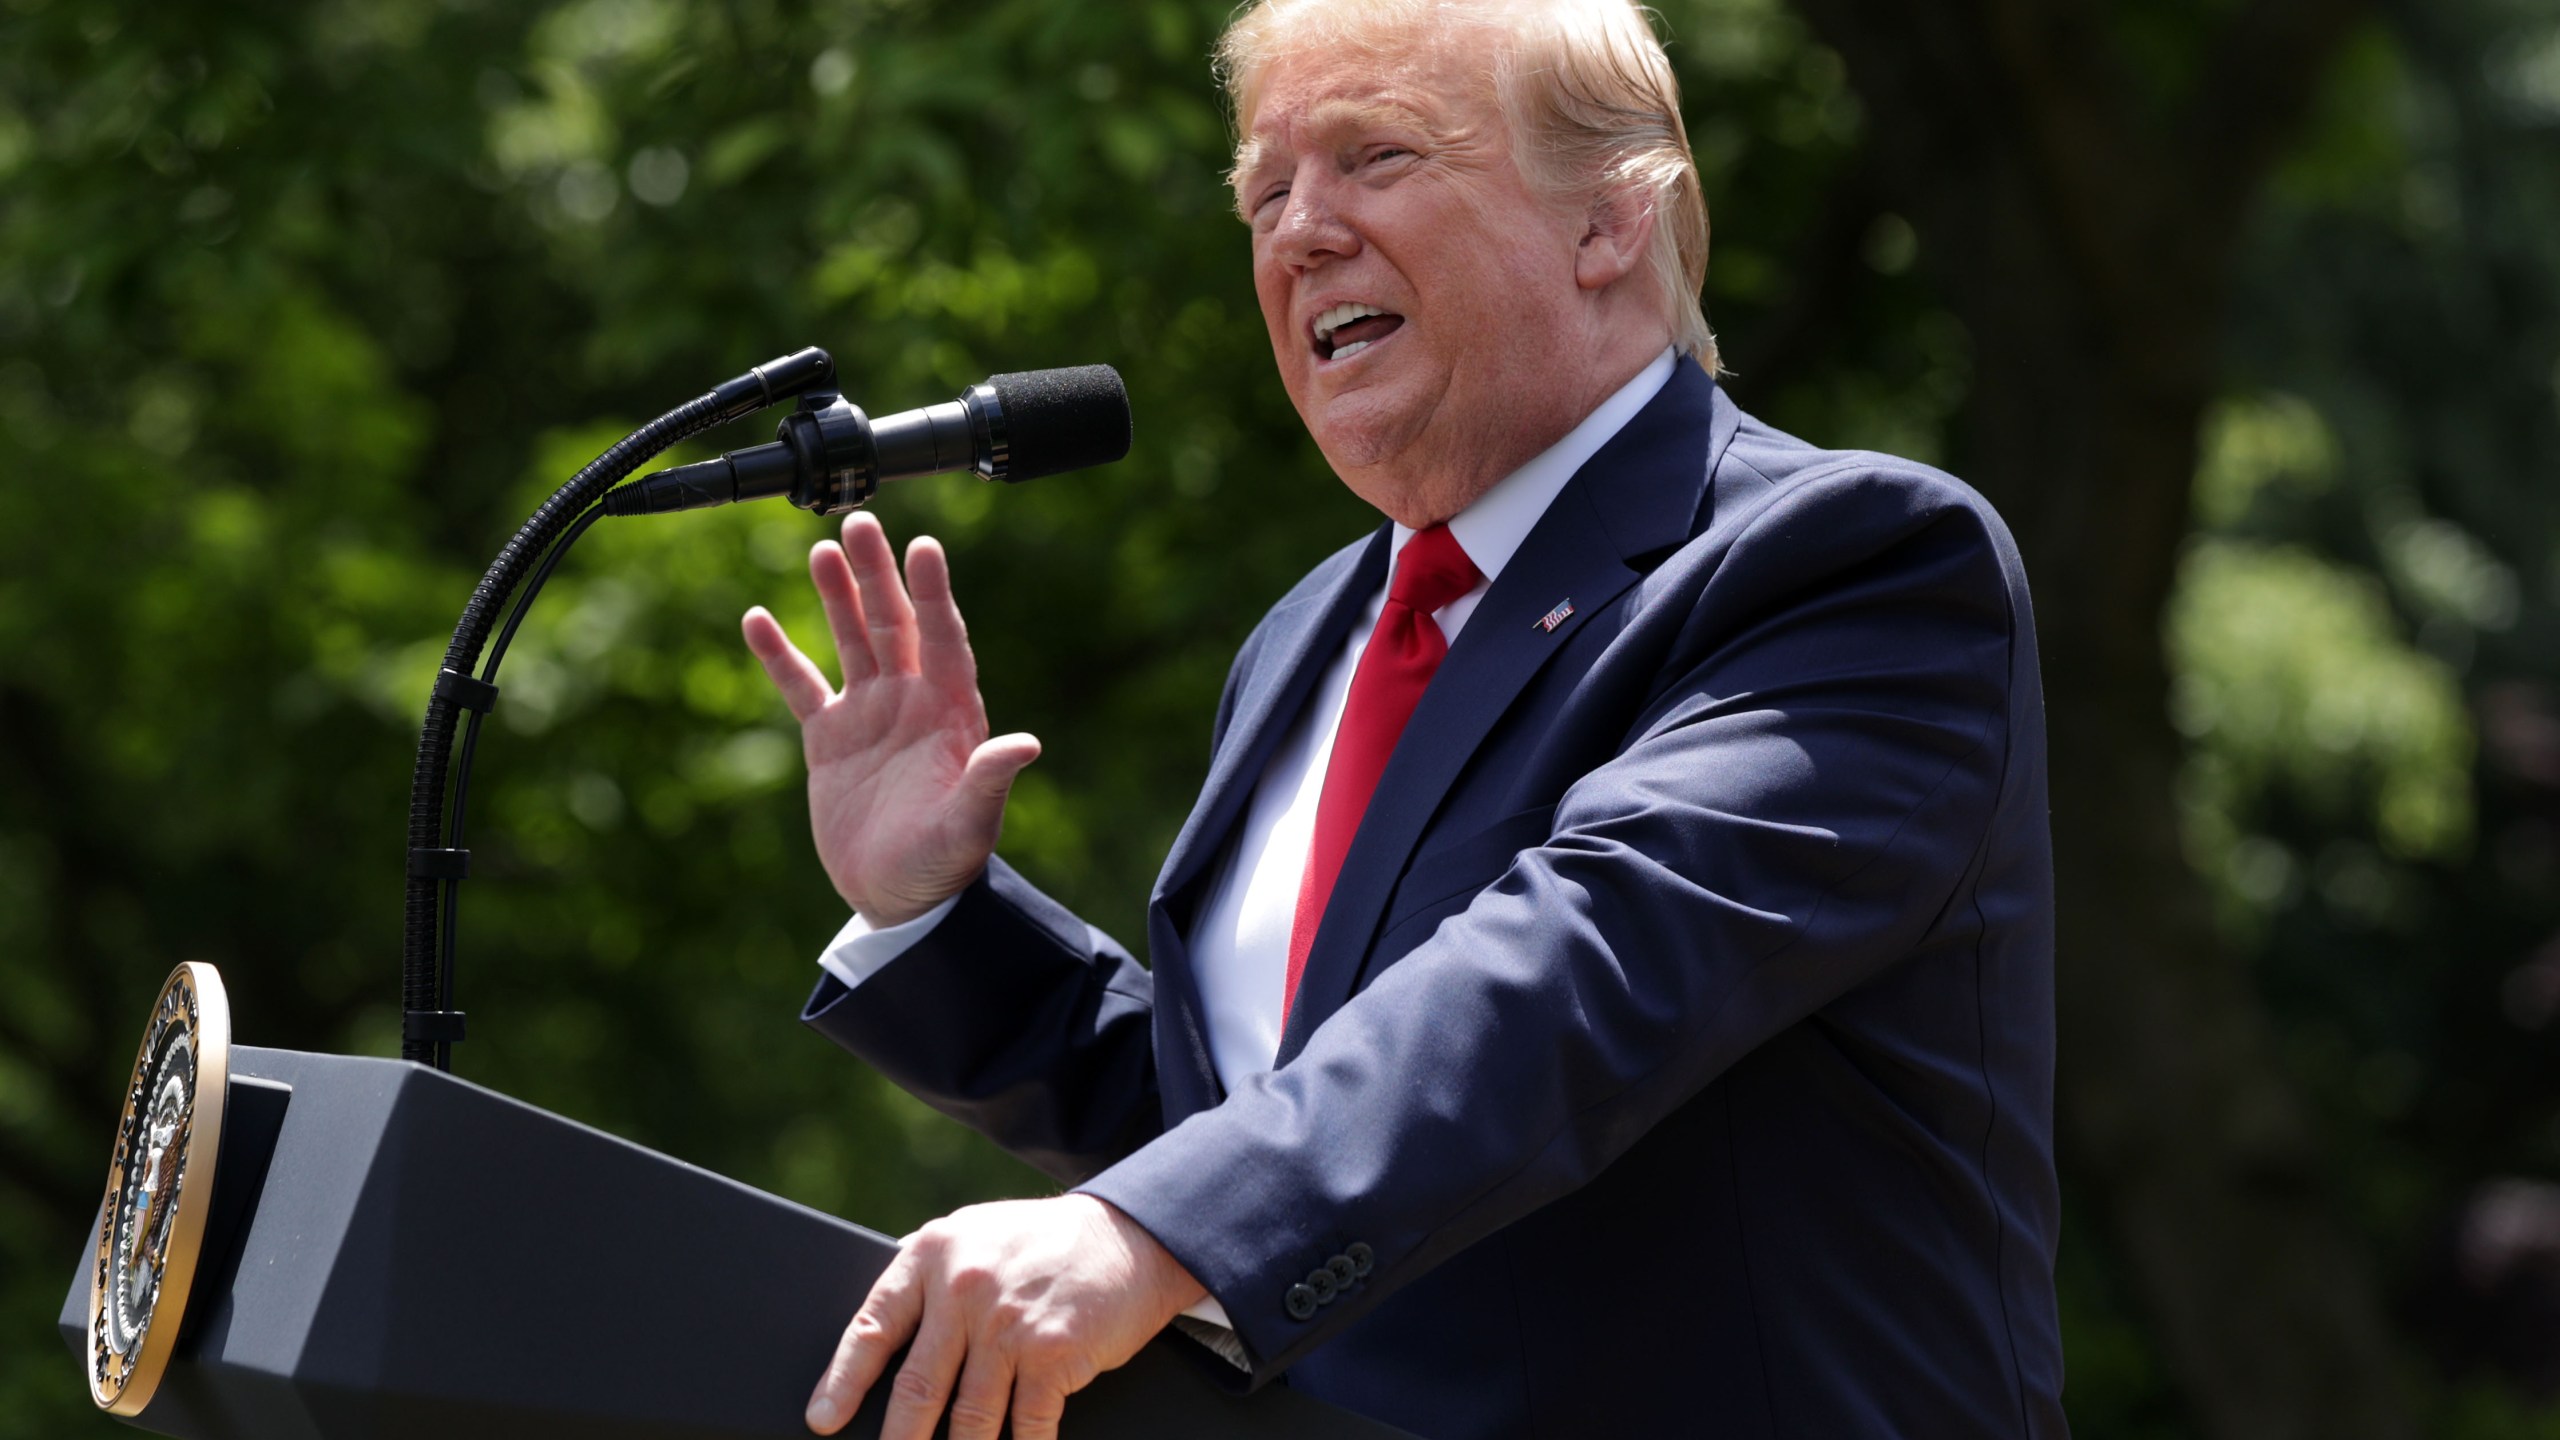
x: 1388, y: 152
x: 1269, y: 197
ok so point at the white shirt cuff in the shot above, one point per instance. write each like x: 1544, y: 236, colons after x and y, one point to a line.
x: 1207, y: 1308
x: 859, y: 951
x: 1221, y: 1341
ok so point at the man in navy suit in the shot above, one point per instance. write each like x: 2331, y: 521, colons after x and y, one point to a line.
x: 1604, y: 986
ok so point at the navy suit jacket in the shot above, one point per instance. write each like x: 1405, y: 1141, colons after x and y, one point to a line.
x: 1675, y: 1054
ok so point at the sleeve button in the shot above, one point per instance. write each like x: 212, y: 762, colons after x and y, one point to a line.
x: 1302, y: 1302
x: 1362, y: 1258
x: 1343, y: 1269
x: 1325, y: 1287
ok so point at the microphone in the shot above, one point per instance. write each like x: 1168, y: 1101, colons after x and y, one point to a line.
x: 829, y: 457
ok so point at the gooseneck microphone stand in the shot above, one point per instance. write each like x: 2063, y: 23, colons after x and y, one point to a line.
x: 827, y: 457
x: 438, y: 862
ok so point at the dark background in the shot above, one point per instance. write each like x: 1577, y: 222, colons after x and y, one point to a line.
x: 2245, y: 312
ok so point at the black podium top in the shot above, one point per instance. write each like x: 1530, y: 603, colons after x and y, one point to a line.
x: 395, y: 1253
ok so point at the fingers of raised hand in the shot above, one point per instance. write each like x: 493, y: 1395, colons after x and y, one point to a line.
x: 804, y: 688
x: 942, y: 639
x: 889, y: 618
x: 887, y: 1317
x: 988, y: 778
x: 833, y: 576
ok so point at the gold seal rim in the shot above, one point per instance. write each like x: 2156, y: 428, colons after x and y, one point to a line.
x: 194, y: 1197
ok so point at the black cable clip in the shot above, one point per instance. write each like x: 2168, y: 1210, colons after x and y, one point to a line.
x: 460, y: 689
x: 439, y: 864
x: 433, y: 1027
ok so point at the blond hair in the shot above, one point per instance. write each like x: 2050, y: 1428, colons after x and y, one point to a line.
x: 1589, y: 94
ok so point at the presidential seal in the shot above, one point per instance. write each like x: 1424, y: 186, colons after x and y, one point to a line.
x: 159, y: 1185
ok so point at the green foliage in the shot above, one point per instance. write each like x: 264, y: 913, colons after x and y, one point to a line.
x: 2376, y: 578
x: 2483, y: 1411
x: 2298, y: 686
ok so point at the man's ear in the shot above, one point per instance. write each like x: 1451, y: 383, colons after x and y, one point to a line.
x: 1615, y: 236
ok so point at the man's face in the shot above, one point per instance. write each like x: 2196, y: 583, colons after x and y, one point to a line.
x: 1421, y: 298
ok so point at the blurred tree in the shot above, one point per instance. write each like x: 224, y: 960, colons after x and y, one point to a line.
x: 2114, y: 201
x: 2079, y: 177
x: 2397, y: 304
x: 326, y: 295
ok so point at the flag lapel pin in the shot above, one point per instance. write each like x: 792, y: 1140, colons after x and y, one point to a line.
x: 1553, y: 618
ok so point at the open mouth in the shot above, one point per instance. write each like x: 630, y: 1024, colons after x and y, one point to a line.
x: 1351, y: 327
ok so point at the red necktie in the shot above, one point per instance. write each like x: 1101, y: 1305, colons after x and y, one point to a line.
x: 1403, y: 654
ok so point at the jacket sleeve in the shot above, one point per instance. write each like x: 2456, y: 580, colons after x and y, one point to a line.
x: 1017, y: 1019
x: 1822, y: 756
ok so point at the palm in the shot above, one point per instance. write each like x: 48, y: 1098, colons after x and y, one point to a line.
x: 886, y: 760
x: 906, y: 791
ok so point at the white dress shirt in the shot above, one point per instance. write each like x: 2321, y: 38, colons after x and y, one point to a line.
x: 1240, y: 943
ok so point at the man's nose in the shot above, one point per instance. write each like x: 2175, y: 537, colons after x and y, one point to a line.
x: 1312, y: 228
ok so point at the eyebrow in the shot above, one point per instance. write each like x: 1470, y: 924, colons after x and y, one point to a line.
x: 1333, y: 117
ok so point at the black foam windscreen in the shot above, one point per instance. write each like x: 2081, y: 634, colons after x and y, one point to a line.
x: 1058, y: 420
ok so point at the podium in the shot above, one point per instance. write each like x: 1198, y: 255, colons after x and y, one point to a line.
x: 395, y: 1254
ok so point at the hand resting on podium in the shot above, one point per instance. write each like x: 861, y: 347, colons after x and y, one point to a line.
x: 1023, y: 1302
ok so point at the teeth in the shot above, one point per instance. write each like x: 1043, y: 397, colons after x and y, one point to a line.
x: 1341, y: 315
x: 1354, y: 348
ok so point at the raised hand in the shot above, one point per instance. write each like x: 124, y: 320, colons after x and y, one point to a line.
x: 906, y: 789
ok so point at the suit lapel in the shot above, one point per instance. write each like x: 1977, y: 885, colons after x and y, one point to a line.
x: 1304, y: 638
x: 1634, y: 500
